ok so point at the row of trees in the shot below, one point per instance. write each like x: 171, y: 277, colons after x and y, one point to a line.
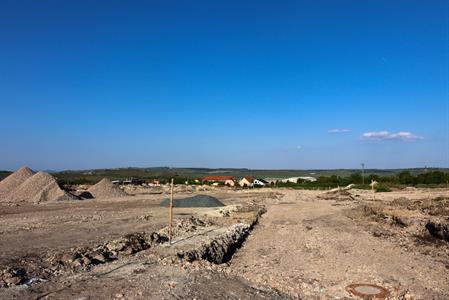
x: 402, y: 178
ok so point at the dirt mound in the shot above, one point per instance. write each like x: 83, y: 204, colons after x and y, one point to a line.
x: 339, y: 195
x: 439, y: 229
x: 11, y: 182
x: 106, y: 189
x: 41, y: 187
x: 195, y: 201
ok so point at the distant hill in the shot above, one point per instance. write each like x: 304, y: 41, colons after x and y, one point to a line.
x: 4, y: 174
x: 192, y: 173
x: 96, y: 175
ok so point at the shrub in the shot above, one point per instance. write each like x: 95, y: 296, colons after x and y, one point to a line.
x: 382, y: 189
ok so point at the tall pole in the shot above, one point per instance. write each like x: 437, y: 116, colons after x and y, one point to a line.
x: 363, y: 173
x: 170, y: 221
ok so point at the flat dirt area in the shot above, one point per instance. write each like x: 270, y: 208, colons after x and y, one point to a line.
x: 264, y: 244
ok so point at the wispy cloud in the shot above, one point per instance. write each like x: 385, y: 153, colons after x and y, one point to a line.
x: 386, y: 135
x: 338, y: 130
x: 298, y: 147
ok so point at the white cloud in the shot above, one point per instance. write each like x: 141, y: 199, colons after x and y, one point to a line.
x: 337, y: 130
x: 298, y: 147
x: 386, y: 135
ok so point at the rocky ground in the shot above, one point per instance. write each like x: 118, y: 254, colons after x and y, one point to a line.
x: 265, y: 244
x: 312, y: 248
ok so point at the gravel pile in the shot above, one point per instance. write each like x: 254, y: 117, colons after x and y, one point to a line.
x: 106, y: 189
x: 195, y: 201
x: 41, y: 187
x: 11, y: 182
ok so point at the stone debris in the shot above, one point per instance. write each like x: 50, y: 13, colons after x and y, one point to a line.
x: 14, y: 180
x: 183, y: 226
x: 13, y: 276
x: 439, y: 229
x: 195, y: 201
x: 220, y: 248
x: 336, y: 194
x: 79, y: 258
x: 41, y: 187
x: 25, y: 186
x: 106, y: 189
x: 112, y: 250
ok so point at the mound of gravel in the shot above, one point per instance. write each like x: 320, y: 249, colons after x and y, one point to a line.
x: 14, y: 180
x: 106, y: 189
x: 195, y: 201
x: 41, y: 187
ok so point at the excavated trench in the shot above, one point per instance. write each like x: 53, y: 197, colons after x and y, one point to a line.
x: 28, y: 270
x: 222, y: 247
x: 218, y: 249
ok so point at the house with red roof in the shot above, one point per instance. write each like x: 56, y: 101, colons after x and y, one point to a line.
x: 220, y: 180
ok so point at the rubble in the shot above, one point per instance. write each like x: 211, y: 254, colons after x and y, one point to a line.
x: 195, y: 201
x: 439, y: 229
x: 13, y: 181
x: 221, y: 248
x: 26, y: 186
x: 13, y: 276
x: 106, y: 189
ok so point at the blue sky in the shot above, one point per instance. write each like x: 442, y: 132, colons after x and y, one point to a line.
x: 257, y: 84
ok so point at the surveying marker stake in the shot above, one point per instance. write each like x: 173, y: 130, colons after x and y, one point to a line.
x: 170, y: 221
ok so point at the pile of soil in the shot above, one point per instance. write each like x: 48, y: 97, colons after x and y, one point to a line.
x: 195, y: 201
x: 106, y: 189
x: 41, y: 187
x: 11, y: 182
x: 26, y: 186
x: 339, y: 195
x: 188, y: 225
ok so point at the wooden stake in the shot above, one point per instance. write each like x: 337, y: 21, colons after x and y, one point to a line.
x: 339, y: 191
x: 372, y: 188
x: 170, y: 221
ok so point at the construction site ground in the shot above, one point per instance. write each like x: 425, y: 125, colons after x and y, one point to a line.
x: 265, y: 244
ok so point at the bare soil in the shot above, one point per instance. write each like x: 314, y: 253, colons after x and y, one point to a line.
x: 264, y: 244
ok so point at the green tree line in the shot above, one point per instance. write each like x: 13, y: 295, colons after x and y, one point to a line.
x: 404, y: 178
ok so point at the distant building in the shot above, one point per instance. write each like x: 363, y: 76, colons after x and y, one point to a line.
x: 308, y: 178
x: 220, y: 180
x: 127, y: 181
x: 134, y: 181
x: 246, y: 181
x: 295, y: 179
x: 260, y: 182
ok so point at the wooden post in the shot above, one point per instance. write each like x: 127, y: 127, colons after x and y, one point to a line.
x: 170, y: 221
x: 372, y: 188
x: 339, y: 191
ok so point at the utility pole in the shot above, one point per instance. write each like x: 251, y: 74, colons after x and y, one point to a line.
x: 363, y: 173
